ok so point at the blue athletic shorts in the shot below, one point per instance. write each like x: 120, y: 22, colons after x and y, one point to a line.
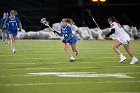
x: 13, y: 32
x: 72, y: 41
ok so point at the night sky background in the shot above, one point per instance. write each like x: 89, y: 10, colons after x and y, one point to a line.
x: 127, y: 12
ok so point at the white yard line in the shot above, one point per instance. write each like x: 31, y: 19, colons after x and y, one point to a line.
x: 128, y: 66
x: 26, y: 58
x: 49, y: 63
x: 27, y: 68
x: 51, y: 68
x: 73, y: 74
x: 60, y: 67
x: 81, y: 74
x: 65, y: 83
x: 10, y: 55
x: 16, y: 63
x: 4, y: 76
x: 37, y: 58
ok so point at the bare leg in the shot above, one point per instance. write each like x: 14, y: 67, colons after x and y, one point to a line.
x: 129, y: 51
x: 12, y: 40
x: 115, y: 46
x: 7, y: 37
x: 3, y: 36
x: 73, y: 46
x: 66, y: 45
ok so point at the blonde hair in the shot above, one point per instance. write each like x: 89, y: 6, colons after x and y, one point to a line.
x: 68, y: 20
x: 14, y: 12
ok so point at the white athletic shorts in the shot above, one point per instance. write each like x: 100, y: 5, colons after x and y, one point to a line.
x: 124, y: 40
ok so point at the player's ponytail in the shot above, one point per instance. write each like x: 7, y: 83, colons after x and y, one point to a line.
x: 112, y: 18
x: 70, y: 21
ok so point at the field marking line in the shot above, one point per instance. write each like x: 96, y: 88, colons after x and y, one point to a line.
x: 16, y: 63
x: 65, y: 83
x: 51, y: 68
x: 128, y: 66
x: 27, y: 69
x: 62, y: 67
x: 73, y: 74
x: 82, y: 74
x: 26, y: 58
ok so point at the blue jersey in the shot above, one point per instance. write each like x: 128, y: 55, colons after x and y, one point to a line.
x: 2, y: 22
x: 12, y: 23
x: 66, y: 31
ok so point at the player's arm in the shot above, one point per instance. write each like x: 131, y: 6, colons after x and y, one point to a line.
x: 1, y: 23
x: 20, y: 26
x: 60, y: 34
x: 69, y: 37
x: 67, y: 40
x: 110, y: 33
x: 4, y: 24
x: 19, y: 23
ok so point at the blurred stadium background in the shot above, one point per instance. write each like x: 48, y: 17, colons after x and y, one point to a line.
x: 31, y: 11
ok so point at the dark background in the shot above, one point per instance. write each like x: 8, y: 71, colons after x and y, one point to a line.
x: 31, y: 11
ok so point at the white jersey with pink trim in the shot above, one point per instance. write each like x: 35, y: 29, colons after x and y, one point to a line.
x: 121, y: 34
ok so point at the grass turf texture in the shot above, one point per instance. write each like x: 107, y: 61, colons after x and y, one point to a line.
x: 44, y: 56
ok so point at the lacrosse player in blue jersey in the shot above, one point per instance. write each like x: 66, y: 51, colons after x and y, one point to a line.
x: 4, y: 31
x: 68, y: 38
x: 12, y: 23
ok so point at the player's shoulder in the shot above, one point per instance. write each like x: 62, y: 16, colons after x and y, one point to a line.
x: 113, y: 24
x: 16, y: 17
x: 8, y: 18
x: 2, y: 18
x: 68, y: 26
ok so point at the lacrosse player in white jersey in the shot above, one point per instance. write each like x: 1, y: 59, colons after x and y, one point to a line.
x: 122, y: 38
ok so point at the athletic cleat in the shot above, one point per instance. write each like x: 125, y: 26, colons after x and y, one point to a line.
x: 122, y: 59
x: 77, y: 53
x: 134, y: 60
x: 72, y: 59
x: 14, y: 50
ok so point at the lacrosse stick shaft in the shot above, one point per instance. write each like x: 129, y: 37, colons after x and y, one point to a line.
x: 89, y: 12
x: 49, y: 27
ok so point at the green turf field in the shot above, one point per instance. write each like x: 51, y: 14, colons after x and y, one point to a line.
x: 41, y: 66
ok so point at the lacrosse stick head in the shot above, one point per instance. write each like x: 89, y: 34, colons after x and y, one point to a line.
x: 44, y: 21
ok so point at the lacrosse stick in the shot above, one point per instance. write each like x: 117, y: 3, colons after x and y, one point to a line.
x: 45, y: 22
x: 89, y: 12
x: 100, y: 31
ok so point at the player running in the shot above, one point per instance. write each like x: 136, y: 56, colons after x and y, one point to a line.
x: 4, y: 31
x: 12, y: 23
x: 122, y: 38
x: 69, y: 38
